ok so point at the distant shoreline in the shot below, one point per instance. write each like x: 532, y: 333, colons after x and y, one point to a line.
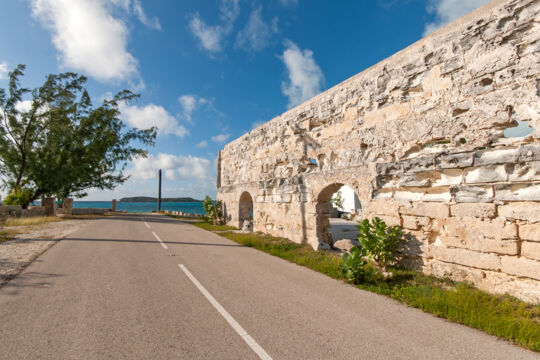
x: 145, y: 199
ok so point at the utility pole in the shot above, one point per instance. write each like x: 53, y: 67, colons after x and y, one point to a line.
x: 159, y: 193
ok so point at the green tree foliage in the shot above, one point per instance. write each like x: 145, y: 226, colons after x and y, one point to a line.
x: 337, y: 201
x: 214, y: 211
x: 61, y: 144
x: 379, y: 242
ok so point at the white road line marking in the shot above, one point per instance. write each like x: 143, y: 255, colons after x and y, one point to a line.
x: 146, y: 224
x: 158, y: 239
x: 236, y: 326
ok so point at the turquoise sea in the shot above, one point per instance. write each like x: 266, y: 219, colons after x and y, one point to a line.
x: 188, y: 207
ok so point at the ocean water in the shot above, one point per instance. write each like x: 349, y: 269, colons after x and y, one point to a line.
x: 188, y: 207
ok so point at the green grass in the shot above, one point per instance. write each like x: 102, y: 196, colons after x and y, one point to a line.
x: 212, y: 227
x: 502, y: 316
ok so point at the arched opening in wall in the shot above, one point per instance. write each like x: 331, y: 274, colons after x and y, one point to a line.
x: 245, y: 212
x: 338, y: 211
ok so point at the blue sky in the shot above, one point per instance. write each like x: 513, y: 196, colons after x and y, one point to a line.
x: 207, y: 71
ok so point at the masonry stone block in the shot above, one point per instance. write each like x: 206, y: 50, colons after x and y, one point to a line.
x: 432, y: 210
x: 530, y: 249
x: 521, y: 266
x: 459, y: 160
x: 415, y: 222
x: 472, y: 194
x: 528, y: 211
x: 529, y: 232
x: 517, y: 192
x: 467, y: 257
x: 529, y: 152
x: 529, y: 171
x: 478, y: 210
x: 506, y: 247
x: 491, y: 157
x: 485, y: 174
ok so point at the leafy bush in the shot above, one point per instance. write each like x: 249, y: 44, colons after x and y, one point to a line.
x: 19, y: 196
x: 356, y: 268
x: 214, y: 211
x: 379, y: 241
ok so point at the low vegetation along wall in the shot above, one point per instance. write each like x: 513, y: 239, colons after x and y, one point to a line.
x: 423, y: 138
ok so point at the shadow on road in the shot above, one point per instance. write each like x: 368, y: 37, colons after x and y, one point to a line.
x: 152, y: 242
x: 28, y: 279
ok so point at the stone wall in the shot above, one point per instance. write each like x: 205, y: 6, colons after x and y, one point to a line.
x: 420, y: 138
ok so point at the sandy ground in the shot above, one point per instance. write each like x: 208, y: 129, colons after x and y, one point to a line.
x: 32, y: 241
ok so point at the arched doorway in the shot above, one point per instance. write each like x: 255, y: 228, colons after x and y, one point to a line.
x: 245, y: 209
x: 338, y: 210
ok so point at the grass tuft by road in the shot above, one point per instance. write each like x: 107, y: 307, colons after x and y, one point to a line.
x: 31, y: 221
x: 502, y: 316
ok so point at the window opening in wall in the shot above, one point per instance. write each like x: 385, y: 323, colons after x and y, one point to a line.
x: 521, y: 129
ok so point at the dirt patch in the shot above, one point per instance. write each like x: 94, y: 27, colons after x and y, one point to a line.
x: 31, y: 241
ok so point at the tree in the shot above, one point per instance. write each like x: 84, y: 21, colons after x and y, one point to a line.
x: 60, y: 144
x: 214, y: 211
x: 337, y: 201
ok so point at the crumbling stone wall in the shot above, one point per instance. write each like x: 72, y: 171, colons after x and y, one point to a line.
x: 420, y: 138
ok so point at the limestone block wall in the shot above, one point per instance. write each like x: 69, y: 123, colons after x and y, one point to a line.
x: 420, y: 138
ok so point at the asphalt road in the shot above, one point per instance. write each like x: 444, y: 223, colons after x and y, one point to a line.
x: 112, y: 290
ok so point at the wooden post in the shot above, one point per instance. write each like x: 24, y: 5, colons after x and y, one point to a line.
x: 159, y: 193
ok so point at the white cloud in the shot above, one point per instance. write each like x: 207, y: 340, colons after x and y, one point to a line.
x: 152, y: 115
x: 220, y: 138
x: 202, y: 144
x: 190, y: 103
x: 305, y: 76
x: 447, y: 11
x: 256, y: 35
x: 152, y: 23
x: 23, y: 106
x: 212, y: 37
x: 175, y: 167
x: 3, y: 70
x: 88, y: 37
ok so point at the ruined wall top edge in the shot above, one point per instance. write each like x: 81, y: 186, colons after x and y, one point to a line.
x: 455, y: 26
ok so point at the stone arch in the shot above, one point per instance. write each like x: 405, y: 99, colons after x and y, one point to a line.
x: 245, y: 208
x: 323, y: 209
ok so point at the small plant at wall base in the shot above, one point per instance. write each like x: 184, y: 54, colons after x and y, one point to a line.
x: 356, y: 268
x: 379, y: 242
x: 214, y: 211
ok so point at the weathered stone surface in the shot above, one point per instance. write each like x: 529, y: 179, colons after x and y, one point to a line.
x: 485, y: 174
x: 490, y: 157
x: 49, y: 205
x: 459, y: 160
x: 491, y: 281
x: 517, y: 192
x: 531, y: 250
x: 528, y: 211
x: 466, y: 257
x: 472, y: 194
x: 524, y: 171
x: 432, y: 210
x: 424, y: 126
x: 529, y: 232
x: 415, y: 222
x: 480, y: 229
x: 521, y: 267
x: 479, y: 210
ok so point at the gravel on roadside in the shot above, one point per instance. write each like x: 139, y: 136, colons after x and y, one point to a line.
x: 31, y: 241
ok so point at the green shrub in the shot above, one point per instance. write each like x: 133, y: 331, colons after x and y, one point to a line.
x: 19, y: 196
x: 379, y: 241
x: 214, y: 211
x: 354, y: 266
